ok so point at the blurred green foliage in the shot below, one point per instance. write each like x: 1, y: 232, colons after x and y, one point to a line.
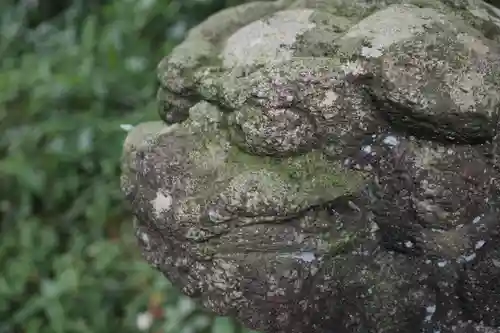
x: 71, y: 73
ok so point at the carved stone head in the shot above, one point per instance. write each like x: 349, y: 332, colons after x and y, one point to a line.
x: 328, y: 166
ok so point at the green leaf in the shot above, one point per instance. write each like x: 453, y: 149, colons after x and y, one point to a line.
x: 88, y: 38
x: 223, y: 325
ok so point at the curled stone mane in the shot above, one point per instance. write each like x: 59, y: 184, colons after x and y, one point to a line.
x: 328, y: 166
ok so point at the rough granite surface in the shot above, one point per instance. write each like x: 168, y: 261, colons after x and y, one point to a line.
x: 329, y: 166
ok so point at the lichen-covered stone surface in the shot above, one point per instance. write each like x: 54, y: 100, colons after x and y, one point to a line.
x: 329, y: 166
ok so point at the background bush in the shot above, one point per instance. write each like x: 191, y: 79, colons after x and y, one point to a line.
x: 70, y: 73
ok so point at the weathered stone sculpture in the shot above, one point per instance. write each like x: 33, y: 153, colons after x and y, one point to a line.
x: 329, y: 166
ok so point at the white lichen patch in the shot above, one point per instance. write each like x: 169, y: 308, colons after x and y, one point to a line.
x: 330, y: 98
x: 370, y: 52
x: 367, y: 149
x: 466, y: 258
x: 267, y: 40
x: 391, y: 141
x: 430, y: 310
x: 442, y: 263
x: 144, y: 237
x: 306, y: 256
x: 162, y: 203
x: 215, y: 216
x: 389, y: 26
x: 374, y: 227
x: 479, y: 244
x: 353, y: 68
x: 477, y: 219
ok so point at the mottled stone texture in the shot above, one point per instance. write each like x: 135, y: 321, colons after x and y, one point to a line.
x: 329, y: 166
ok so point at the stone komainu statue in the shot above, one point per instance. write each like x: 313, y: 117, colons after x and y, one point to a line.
x: 329, y: 166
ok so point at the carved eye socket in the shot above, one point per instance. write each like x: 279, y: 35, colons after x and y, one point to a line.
x: 272, y: 132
